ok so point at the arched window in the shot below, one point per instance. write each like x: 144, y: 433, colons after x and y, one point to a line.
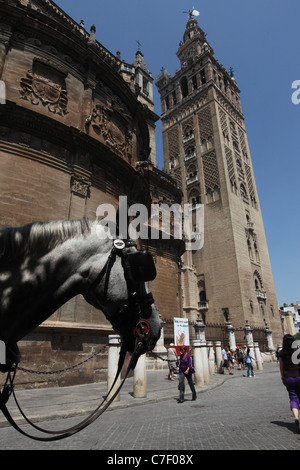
x: 243, y: 191
x: 257, y: 281
x: 250, y: 250
x: 188, y: 134
x: 173, y: 162
x: 256, y: 253
x: 192, y: 170
x: 194, y: 197
x: 184, y: 87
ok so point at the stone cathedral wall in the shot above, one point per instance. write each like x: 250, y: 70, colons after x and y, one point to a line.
x: 71, y: 134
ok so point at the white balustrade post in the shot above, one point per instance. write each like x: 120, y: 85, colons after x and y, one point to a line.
x: 198, y: 366
x: 258, y: 356
x: 204, y: 354
x: 231, y: 336
x: 218, y: 355
x: 114, y: 343
x: 140, y: 378
x: 211, y: 358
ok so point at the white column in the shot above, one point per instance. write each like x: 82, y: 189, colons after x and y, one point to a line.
x: 218, y: 355
x: 270, y: 339
x: 211, y: 358
x: 258, y: 356
x: 140, y: 378
x: 198, y: 366
x: 204, y: 354
x: 231, y: 336
x: 114, y: 343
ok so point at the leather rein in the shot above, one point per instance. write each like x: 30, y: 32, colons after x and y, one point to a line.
x: 142, y: 333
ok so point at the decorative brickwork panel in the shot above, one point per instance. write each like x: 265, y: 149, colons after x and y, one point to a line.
x: 243, y: 143
x: 230, y: 166
x: 205, y: 123
x: 173, y: 141
x: 224, y: 125
x: 210, y: 169
x: 249, y: 181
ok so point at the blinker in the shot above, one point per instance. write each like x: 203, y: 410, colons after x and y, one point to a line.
x: 142, y: 266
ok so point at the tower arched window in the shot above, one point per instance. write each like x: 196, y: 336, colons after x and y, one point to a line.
x: 257, y: 259
x: 188, y: 134
x: 243, y: 191
x: 258, y: 281
x: 194, y: 197
x: 184, y: 87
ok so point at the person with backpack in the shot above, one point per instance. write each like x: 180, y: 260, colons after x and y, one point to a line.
x: 240, y: 358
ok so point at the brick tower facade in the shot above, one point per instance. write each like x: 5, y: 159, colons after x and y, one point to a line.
x: 206, y: 150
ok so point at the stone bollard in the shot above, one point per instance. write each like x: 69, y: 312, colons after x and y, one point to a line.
x: 140, y: 378
x: 269, y: 338
x: 231, y: 336
x: 204, y: 354
x: 198, y: 366
x: 114, y: 343
x: 218, y: 355
x: 258, y: 356
x: 211, y: 358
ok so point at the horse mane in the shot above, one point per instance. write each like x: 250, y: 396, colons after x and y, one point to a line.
x: 39, y: 237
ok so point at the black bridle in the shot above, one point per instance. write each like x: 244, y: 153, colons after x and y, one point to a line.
x: 136, y: 304
x: 138, y: 267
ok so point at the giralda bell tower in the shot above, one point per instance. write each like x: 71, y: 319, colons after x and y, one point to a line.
x: 206, y: 150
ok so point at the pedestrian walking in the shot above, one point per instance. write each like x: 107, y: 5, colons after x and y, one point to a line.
x: 225, y: 361
x: 290, y: 375
x: 240, y: 358
x: 185, y: 372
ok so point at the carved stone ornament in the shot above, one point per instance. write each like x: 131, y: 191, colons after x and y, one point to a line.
x: 114, y: 130
x: 39, y: 89
x: 80, y: 187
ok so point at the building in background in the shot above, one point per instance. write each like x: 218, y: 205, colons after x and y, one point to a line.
x: 291, y: 312
x: 78, y: 129
x: 206, y: 151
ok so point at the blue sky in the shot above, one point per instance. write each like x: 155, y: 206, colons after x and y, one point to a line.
x: 260, y: 39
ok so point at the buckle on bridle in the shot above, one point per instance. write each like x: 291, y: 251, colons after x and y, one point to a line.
x: 143, y: 329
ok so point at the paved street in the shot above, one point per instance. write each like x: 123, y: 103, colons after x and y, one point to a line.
x: 239, y: 413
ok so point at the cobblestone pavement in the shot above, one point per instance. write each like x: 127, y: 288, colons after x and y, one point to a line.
x: 240, y: 414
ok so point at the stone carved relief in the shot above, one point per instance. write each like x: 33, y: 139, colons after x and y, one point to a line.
x: 114, y: 130
x: 45, y: 85
x: 80, y: 186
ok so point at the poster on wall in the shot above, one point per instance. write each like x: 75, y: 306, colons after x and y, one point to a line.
x: 181, y: 333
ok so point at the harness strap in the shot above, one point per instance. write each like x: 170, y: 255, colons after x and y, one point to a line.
x: 62, y: 431
x: 4, y: 395
x: 141, y: 337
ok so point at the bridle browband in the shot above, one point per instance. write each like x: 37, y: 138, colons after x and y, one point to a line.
x: 135, y: 304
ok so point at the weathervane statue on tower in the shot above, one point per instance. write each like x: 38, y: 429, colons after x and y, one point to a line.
x: 192, y: 13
